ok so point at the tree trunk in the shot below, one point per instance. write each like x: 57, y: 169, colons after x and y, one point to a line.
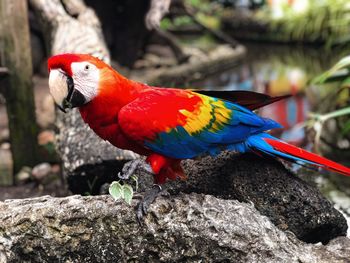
x: 19, y: 89
x: 71, y: 27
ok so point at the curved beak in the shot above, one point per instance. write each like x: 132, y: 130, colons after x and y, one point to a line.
x: 63, y: 92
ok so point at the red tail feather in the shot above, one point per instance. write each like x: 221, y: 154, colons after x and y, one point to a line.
x: 300, y: 153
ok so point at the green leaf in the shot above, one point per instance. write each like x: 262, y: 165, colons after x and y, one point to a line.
x: 128, y: 193
x: 339, y: 71
x: 116, y: 190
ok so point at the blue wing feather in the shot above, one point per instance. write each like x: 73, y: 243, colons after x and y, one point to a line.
x: 233, y: 133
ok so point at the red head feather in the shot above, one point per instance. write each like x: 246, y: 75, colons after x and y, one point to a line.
x: 64, y: 61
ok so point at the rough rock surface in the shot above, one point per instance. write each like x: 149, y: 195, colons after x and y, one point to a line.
x: 290, y: 203
x: 186, y: 228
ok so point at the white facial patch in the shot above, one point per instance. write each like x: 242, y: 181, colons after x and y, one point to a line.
x: 86, y: 78
x: 58, y: 85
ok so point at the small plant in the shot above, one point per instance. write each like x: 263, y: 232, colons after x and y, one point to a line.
x: 123, y: 191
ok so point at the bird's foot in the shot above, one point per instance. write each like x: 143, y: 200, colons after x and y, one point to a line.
x: 148, y: 199
x: 130, y: 167
x: 150, y: 195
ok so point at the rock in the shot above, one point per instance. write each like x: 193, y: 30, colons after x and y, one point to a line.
x: 4, y: 135
x: 5, y: 146
x: 41, y: 171
x: 6, y: 165
x: 186, y: 228
x: 290, y: 203
x: 47, y: 175
x: 24, y: 175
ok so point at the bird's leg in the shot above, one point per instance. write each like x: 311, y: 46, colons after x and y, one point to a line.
x: 154, y: 165
x: 148, y: 199
x: 130, y: 167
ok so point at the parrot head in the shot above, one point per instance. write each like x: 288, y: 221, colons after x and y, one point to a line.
x: 74, y: 79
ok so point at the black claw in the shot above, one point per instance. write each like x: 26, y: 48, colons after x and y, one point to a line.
x: 145, y: 203
x: 139, y: 215
x: 122, y: 176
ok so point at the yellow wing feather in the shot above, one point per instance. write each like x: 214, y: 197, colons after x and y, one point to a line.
x: 211, y: 115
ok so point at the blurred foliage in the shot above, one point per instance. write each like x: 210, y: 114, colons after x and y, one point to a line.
x: 203, y: 42
x: 339, y: 77
x: 340, y: 72
x: 306, y: 58
x: 202, y: 5
x: 323, y: 21
x: 210, y: 21
x: 178, y: 21
x: 207, y: 12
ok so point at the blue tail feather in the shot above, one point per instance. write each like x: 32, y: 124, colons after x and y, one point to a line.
x: 257, y: 142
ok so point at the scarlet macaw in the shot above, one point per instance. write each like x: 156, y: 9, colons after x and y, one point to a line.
x: 167, y: 125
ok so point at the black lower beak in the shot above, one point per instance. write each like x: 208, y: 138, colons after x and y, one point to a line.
x: 62, y: 109
x: 74, y: 98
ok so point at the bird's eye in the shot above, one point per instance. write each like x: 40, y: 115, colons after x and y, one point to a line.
x: 87, y: 67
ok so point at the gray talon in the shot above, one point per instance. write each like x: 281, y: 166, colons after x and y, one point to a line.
x: 128, y: 170
x: 144, y: 204
x: 130, y: 167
